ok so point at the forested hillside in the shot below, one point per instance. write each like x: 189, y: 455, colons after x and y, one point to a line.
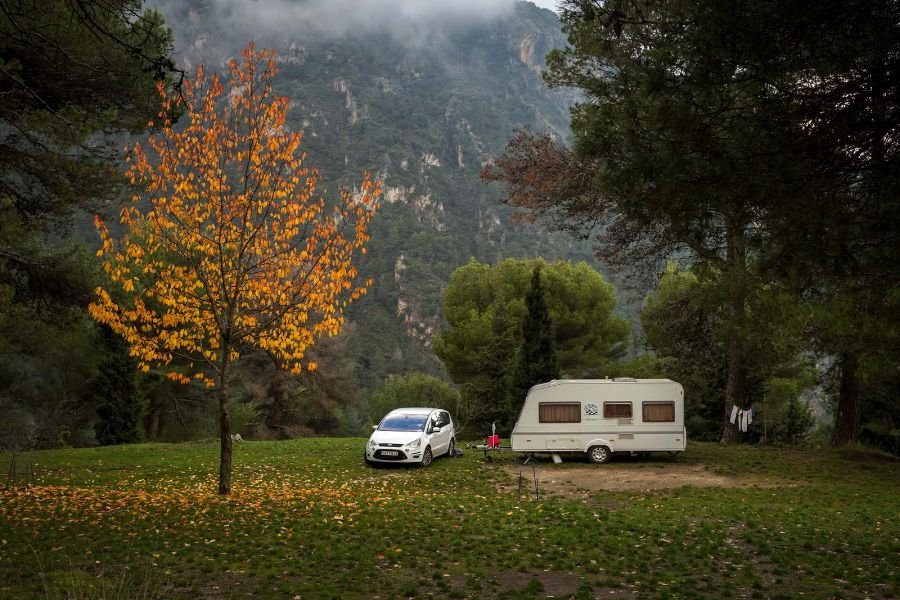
x: 423, y: 106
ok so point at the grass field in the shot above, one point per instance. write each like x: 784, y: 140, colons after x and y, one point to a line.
x: 308, y: 519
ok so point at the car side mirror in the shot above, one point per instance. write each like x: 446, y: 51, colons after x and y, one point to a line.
x: 436, y: 429
x: 374, y: 427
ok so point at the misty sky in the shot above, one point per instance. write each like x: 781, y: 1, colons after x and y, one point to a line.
x: 277, y: 22
x: 340, y: 17
x: 548, y: 4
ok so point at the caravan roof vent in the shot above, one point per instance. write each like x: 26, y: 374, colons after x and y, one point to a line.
x: 624, y: 379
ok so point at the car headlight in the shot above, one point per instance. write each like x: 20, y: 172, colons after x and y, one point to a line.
x: 372, y: 443
x: 415, y: 444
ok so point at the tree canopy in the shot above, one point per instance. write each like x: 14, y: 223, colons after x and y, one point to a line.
x: 415, y: 389
x: 485, y: 307
x: 73, y: 75
x: 70, y: 72
x: 686, y: 326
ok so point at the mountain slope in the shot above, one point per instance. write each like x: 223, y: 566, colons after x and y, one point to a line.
x: 423, y: 108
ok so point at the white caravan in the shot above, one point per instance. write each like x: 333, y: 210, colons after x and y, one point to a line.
x: 600, y: 416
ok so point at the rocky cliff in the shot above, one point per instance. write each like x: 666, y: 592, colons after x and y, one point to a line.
x: 422, y: 106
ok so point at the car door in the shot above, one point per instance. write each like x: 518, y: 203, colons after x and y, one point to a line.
x: 446, y: 429
x: 440, y: 440
x: 449, y: 426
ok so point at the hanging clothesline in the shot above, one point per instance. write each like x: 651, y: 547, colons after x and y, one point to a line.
x: 742, y: 418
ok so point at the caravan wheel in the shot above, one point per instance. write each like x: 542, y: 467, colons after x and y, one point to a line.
x: 599, y: 454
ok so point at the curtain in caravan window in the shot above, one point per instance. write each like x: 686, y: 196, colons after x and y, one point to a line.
x: 555, y: 412
x: 617, y: 410
x: 656, y: 412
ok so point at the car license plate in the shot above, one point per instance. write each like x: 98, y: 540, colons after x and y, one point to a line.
x: 390, y: 453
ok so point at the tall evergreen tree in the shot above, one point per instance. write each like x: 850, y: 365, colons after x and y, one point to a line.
x: 674, y: 160
x: 74, y: 76
x: 537, y: 359
x: 119, y: 409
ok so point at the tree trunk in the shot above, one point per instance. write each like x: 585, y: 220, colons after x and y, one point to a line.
x: 224, y: 428
x: 847, y: 419
x: 735, y: 392
x: 736, y: 381
x: 151, y: 421
x: 279, y: 398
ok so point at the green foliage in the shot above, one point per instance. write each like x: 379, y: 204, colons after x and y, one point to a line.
x: 485, y: 307
x: 712, y: 129
x: 412, y: 390
x: 688, y: 328
x: 678, y: 328
x: 119, y: 408
x: 47, y: 343
x: 72, y: 72
x: 269, y: 403
x: 46, y: 385
x: 242, y: 416
x: 675, y: 160
x: 789, y: 420
x: 880, y: 424
x: 174, y: 411
x: 797, y: 421
x: 334, y: 403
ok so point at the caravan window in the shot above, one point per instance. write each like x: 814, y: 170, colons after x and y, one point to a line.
x: 658, y: 412
x: 617, y: 410
x: 557, y: 412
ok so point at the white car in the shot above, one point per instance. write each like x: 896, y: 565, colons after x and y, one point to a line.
x: 412, y: 435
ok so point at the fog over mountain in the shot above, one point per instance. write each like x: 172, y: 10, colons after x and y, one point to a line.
x: 269, y: 22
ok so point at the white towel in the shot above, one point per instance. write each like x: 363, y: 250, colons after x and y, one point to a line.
x: 745, y: 417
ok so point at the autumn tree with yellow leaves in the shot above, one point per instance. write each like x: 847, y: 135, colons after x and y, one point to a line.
x: 227, y: 244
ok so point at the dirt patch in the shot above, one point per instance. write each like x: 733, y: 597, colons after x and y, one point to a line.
x: 575, y: 481
x: 551, y: 584
x: 866, y: 457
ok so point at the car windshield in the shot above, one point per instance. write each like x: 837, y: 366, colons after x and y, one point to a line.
x: 404, y: 423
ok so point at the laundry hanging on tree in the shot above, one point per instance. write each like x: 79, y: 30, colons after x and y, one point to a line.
x: 742, y: 418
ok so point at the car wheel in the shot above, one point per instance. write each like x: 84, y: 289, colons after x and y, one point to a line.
x: 452, y: 448
x: 599, y: 454
x: 427, y: 457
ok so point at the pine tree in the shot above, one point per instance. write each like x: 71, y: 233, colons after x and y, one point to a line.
x: 537, y: 358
